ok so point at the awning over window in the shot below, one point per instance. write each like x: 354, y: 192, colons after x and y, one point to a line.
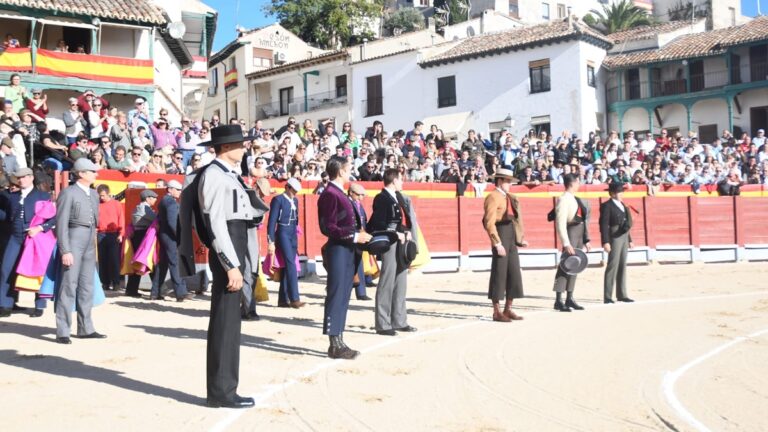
x: 539, y: 120
x: 66, y: 23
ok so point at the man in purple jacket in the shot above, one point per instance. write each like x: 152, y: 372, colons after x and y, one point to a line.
x: 337, y: 222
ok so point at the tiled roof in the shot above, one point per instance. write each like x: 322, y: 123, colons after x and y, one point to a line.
x: 143, y: 11
x: 519, y: 39
x: 703, y: 44
x: 647, y: 31
x: 298, y: 64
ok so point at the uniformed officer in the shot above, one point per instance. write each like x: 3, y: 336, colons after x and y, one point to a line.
x: 570, y: 223
x: 229, y: 210
x: 16, y: 210
x: 615, y: 224
x: 282, y: 238
x: 390, y: 214
x: 77, y: 213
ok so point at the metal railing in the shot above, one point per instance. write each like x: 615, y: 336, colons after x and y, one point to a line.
x: 373, y: 107
x: 299, y: 105
x: 635, y: 90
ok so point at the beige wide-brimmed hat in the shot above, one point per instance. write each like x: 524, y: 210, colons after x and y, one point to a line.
x: 504, y: 173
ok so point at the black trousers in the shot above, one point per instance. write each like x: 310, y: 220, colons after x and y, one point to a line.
x: 109, y: 259
x: 223, y: 353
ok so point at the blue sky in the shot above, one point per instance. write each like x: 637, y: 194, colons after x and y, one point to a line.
x: 249, y: 14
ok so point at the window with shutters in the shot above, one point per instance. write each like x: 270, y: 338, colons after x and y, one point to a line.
x: 341, y: 86
x: 446, y: 91
x: 374, y: 104
x: 539, y: 76
x: 591, y: 75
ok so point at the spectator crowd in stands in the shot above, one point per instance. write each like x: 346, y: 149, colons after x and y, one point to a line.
x: 132, y: 141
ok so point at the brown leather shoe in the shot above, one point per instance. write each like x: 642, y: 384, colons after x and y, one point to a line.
x: 511, y: 315
x: 500, y: 317
x: 297, y: 304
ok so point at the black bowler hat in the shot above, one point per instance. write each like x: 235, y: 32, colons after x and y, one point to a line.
x: 406, y: 254
x: 227, y: 134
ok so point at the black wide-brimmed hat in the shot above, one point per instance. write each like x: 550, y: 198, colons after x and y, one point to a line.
x: 616, y: 187
x: 574, y: 264
x: 406, y: 254
x: 227, y: 134
x: 380, y: 242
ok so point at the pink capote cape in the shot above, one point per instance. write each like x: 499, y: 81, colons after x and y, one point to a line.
x: 38, y: 249
x: 145, y: 257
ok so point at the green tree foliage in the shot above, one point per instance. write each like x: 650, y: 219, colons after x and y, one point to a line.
x: 405, y: 19
x: 327, y: 23
x: 619, y: 16
x: 457, y: 10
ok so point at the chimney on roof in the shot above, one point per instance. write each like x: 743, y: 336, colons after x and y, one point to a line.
x: 362, y: 49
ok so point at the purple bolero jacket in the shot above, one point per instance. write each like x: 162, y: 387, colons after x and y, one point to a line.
x: 336, y: 215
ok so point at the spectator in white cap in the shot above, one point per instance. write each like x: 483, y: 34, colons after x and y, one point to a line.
x: 283, y: 240
x: 759, y: 140
x: 168, y: 216
x: 139, y: 116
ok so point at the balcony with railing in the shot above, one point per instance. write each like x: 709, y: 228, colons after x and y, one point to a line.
x: 712, y: 80
x: 300, y: 105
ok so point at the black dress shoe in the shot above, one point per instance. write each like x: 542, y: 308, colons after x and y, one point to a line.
x: 94, y: 335
x: 364, y: 298
x: 64, y: 340
x: 135, y: 295
x: 155, y: 298
x: 37, y: 313
x: 283, y: 304
x: 237, y: 403
x: 627, y: 300
x: 5, y: 312
x: 607, y: 301
x: 17, y: 308
x: 407, y: 329
x: 342, y: 352
x: 390, y: 332
x: 559, y: 306
x: 188, y: 296
x: 370, y: 284
x: 251, y: 316
x: 573, y: 305
x: 244, y: 399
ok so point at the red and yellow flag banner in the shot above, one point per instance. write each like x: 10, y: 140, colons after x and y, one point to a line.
x: 16, y: 60
x: 95, y: 67
x: 230, y: 79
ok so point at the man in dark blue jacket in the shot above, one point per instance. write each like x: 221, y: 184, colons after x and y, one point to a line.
x: 357, y: 194
x: 17, y: 208
x: 168, y: 219
x: 282, y: 238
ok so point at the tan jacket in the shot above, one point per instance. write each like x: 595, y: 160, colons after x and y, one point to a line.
x: 495, y: 207
x: 565, y: 211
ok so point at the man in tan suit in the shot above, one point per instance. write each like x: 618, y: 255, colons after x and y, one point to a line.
x: 571, y: 226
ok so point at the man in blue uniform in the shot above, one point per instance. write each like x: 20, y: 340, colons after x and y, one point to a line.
x: 282, y: 238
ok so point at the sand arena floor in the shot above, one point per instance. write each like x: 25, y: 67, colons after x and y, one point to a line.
x: 690, y: 354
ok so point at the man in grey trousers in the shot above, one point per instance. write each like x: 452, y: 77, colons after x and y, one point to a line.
x: 615, y: 223
x: 390, y: 213
x: 76, y: 218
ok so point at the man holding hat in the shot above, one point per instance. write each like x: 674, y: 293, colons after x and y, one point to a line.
x: 356, y: 195
x: 391, y: 214
x: 77, y: 215
x: 571, y: 226
x: 16, y: 212
x: 336, y: 218
x: 504, y: 224
x: 141, y: 218
x: 168, y: 220
x: 248, y: 302
x: 228, y: 211
x: 282, y: 238
x: 615, y: 224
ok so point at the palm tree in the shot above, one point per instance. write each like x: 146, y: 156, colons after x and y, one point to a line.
x: 620, y: 15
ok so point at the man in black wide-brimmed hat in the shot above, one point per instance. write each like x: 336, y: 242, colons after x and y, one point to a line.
x: 225, y: 212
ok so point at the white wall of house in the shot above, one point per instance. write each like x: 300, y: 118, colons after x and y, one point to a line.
x: 709, y: 112
x: 167, y: 81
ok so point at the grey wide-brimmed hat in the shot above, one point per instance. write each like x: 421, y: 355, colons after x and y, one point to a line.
x: 574, y: 264
x: 84, y: 164
x: 504, y: 173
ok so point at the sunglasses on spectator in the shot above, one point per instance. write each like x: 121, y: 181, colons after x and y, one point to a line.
x: 136, y: 154
x: 177, y: 158
x: 157, y: 156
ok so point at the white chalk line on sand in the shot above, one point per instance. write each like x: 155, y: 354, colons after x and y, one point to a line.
x: 670, y: 379
x: 273, y: 389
